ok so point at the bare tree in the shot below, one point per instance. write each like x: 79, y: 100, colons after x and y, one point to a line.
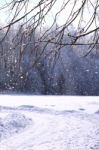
x: 33, y: 15
x: 40, y: 31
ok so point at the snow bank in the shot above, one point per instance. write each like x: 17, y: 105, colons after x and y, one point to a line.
x: 86, y: 104
x: 13, y: 123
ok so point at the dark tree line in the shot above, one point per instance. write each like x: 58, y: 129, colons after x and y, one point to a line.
x: 38, y: 69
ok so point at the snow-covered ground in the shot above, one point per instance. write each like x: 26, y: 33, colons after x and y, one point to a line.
x: 49, y: 123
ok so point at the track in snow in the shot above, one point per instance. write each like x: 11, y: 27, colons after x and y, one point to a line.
x: 55, y: 131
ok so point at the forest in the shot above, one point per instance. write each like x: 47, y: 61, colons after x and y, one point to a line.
x: 49, y: 60
x: 38, y: 69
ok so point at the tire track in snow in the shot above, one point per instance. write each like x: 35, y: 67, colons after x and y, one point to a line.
x: 69, y: 131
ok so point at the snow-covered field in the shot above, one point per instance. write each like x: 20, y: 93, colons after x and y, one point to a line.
x: 49, y: 123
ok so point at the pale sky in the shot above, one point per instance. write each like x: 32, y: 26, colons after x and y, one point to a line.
x: 61, y: 19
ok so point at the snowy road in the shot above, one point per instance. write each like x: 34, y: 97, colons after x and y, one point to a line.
x: 55, y: 131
